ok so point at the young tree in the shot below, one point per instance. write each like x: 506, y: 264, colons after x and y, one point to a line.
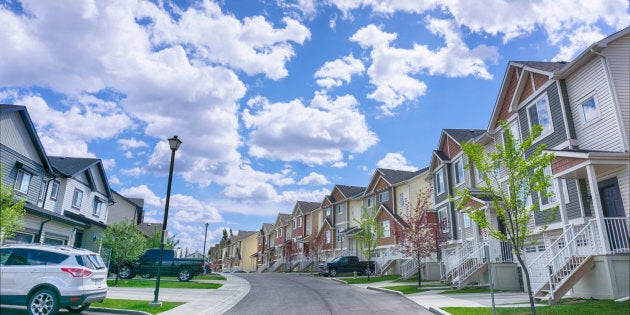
x: 368, y: 234
x: 125, y: 241
x: 11, y: 213
x: 511, y: 198
x: 156, y: 238
x: 422, y: 236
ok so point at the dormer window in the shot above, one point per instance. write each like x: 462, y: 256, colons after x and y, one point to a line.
x: 439, y: 182
x: 97, y: 206
x: 77, y: 198
x: 539, y: 114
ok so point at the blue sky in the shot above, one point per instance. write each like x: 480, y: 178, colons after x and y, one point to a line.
x: 274, y: 100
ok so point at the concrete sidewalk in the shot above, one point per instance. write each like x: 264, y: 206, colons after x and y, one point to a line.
x: 197, y: 301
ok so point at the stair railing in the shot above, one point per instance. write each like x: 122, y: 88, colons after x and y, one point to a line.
x: 452, y: 260
x: 468, y: 265
x: 408, y: 268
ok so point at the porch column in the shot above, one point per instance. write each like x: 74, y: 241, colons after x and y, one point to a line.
x: 597, y: 206
x: 462, y: 229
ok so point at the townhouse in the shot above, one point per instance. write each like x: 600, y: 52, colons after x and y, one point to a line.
x: 302, y: 233
x: 266, y: 244
x: 282, y: 246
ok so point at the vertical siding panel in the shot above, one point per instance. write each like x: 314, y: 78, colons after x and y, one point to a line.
x: 618, y: 54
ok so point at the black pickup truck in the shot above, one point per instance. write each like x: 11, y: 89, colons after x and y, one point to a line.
x: 147, y: 265
x: 346, y: 264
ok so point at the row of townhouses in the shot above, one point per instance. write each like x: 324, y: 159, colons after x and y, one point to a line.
x: 68, y: 200
x: 583, y: 107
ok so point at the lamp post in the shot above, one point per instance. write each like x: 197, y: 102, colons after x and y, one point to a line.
x: 174, y: 143
x: 204, y: 249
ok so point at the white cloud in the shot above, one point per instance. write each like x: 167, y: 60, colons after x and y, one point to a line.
x: 395, y: 161
x: 393, y: 70
x: 188, y: 209
x: 314, y: 179
x: 335, y: 73
x: 131, y: 143
x: 143, y: 192
x: 339, y: 164
x: 133, y: 172
x: 114, y: 180
x: 108, y: 164
x: 314, y: 134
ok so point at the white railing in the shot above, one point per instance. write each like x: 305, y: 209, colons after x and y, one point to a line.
x: 385, y: 257
x: 408, y: 268
x: 618, y: 235
x: 452, y: 260
x: 276, y: 265
x: 468, y: 265
x: 554, y: 265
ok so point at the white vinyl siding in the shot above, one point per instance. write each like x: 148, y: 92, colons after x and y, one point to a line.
x: 604, y: 134
x: 617, y: 53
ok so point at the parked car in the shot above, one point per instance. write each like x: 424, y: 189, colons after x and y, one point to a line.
x: 346, y: 264
x: 147, y: 265
x: 46, y: 278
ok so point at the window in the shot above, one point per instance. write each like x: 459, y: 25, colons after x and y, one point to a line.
x: 369, y: 202
x: 328, y: 211
x: 590, y: 110
x: 77, y: 198
x: 328, y: 237
x: 539, y: 114
x: 466, y: 220
x: 299, y: 221
x: 459, y: 172
x: 42, y: 193
x: 339, y: 238
x: 439, y: 182
x: 340, y: 209
x: 98, y: 205
x: 352, y: 212
x: 513, y: 126
x: 293, y: 223
x: 22, y: 181
x: 385, y: 232
x: 383, y: 196
x: 401, y: 199
x: 54, y: 190
x: 530, y: 249
x: 478, y: 177
x: 443, y: 219
x: 545, y: 201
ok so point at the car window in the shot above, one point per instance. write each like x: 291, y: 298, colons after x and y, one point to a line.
x: 168, y: 255
x: 84, y: 261
x: 4, y: 255
x: 55, y: 258
x: 23, y: 257
x: 96, y: 261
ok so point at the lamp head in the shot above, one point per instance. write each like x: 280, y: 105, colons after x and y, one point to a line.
x: 174, y: 143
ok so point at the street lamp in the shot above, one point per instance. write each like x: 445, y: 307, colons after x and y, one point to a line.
x: 204, y: 250
x: 174, y: 143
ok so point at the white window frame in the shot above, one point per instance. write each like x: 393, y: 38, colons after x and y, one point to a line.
x: 466, y: 220
x: 546, y: 129
x: 596, y: 112
x: 22, y: 181
x: 383, y: 196
x: 385, y: 228
x: 54, y: 190
x: 328, y: 236
x: 299, y: 221
x: 339, y: 238
x: 293, y: 224
x: 42, y: 193
x: 77, y: 198
x: 478, y: 177
x: 340, y: 208
x: 459, y: 166
x: 97, y: 207
x: 401, y: 199
x: 443, y: 216
x: 328, y: 211
x: 369, y: 202
x: 516, y: 131
x: 440, y: 185
x: 552, y: 200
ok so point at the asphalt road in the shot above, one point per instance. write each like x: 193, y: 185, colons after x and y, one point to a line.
x: 278, y: 293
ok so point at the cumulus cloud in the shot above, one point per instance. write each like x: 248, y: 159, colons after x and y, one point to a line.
x: 314, y: 179
x: 394, y: 71
x: 131, y: 143
x: 313, y: 134
x: 395, y: 161
x: 142, y: 192
x: 336, y: 73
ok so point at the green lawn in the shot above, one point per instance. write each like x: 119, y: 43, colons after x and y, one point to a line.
x: 469, y: 290
x: 364, y: 279
x: 575, y: 307
x: 136, y: 283
x: 408, y: 289
x: 137, y: 305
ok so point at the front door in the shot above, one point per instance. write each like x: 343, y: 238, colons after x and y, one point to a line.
x: 612, y: 206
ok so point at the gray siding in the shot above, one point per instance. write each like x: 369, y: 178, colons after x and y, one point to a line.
x: 559, y: 134
x: 444, y: 195
x: 567, y: 109
x: 9, y: 159
x: 573, y: 207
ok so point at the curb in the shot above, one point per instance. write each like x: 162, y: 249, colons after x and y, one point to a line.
x: 116, y: 311
x: 438, y: 311
x: 385, y: 290
x: 339, y: 280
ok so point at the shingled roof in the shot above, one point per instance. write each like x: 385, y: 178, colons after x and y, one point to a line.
x: 461, y: 135
x: 350, y: 191
x: 396, y: 176
x: 542, y: 65
x: 307, y: 206
x: 69, y: 166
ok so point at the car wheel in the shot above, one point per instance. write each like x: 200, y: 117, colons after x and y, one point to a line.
x: 125, y: 272
x: 43, y: 302
x: 78, y: 309
x: 332, y: 272
x: 184, y: 274
x: 145, y: 275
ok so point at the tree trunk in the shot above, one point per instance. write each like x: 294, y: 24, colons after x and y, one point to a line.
x: 528, y: 281
x: 368, y: 270
x: 419, y: 273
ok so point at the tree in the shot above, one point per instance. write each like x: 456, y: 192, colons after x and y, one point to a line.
x: 126, y: 242
x: 225, y: 235
x: 156, y: 238
x: 423, y: 235
x: 368, y: 234
x: 511, y: 198
x: 11, y: 213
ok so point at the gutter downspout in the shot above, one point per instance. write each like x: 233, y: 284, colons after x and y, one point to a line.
x: 46, y: 193
x: 41, y: 229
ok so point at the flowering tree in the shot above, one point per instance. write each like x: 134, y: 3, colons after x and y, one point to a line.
x: 422, y: 236
x: 11, y: 212
x: 368, y: 234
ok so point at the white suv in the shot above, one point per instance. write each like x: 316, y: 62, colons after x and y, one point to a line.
x: 46, y: 277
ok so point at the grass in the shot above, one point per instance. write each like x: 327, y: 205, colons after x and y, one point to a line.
x: 364, y: 279
x: 206, y: 277
x: 469, y: 290
x: 163, y: 284
x: 137, y: 305
x: 574, y: 307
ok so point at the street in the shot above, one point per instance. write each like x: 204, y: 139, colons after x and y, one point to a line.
x: 278, y: 293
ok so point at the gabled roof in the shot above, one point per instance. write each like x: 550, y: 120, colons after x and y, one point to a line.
x: 450, y: 136
x: 244, y: 234
x: 542, y: 66
x: 267, y: 228
x: 71, y: 166
x: 396, y: 217
x: 307, y: 206
x: 282, y: 219
x: 350, y: 191
x: 30, y: 128
x: 463, y: 135
x: 394, y: 177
